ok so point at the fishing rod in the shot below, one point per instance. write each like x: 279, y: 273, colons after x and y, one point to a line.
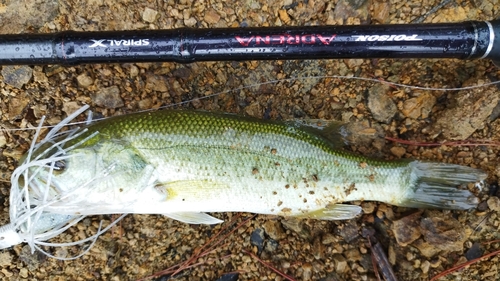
x: 466, y: 40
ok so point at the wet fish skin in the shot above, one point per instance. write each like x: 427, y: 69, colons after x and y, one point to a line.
x: 185, y: 163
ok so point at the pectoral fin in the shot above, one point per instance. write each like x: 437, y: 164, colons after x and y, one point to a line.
x: 193, y: 218
x: 335, y: 212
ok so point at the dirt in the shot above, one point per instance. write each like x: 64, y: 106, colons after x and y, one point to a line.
x: 419, y: 244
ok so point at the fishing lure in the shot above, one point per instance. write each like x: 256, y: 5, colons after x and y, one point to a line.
x: 183, y: 164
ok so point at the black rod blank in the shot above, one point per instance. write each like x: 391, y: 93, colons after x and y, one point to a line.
x: 467, y: 40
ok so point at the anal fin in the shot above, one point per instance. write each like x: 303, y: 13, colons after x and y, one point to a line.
x: 335, y: 212
x: 193, y: 218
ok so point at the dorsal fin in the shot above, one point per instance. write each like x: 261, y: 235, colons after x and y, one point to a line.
x: 333, y: 131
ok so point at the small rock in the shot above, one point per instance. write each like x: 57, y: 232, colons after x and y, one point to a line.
x: 380, y: 104
x: 70, y: 107
x: 318, y: 249
x: 349, y: 232
x: 368, y: 207
x: 274, y: 230
x: 156, y: 83
x: 211, y: 16
x: 149, y: 15
x: 494, y: 203
x: 381, y: 11
x: 17, y: 76
x: 23, y: 272
x: 425, y: 267
x: 17, y: 106
x: 353, y: 63
x: 474, y: 252
x: 419, y: 107
x: 190, y: 22
x: 482, y: 207
x: 340, y: 263
x: 298, y: 226
x: 391, y: 255
x: 134, y: 71
x: 426, y: 249
x: 84, y: 80
x: 307, y: 271
x: 5, y: 259
x: 271, y: 245
x: 328, y: 239
x: 406, y: 230
x: 398, y: 151
x: 228, y: 277
x: 445, y: 233
x: 345, y: 9
x: 145, y: 103
x: 108, y: 97
x: 353, y: 255
x: 257, y: 239
x: 3, y: 142
x: 182, y: 72
x: 40, y: 77
x: 469, y: 110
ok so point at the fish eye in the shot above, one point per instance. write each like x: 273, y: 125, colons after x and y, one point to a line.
x: 59, y: 165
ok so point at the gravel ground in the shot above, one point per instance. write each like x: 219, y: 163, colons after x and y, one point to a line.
x: 419, y: 244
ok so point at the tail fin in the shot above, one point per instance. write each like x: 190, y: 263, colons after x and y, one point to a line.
x: 436, y: 185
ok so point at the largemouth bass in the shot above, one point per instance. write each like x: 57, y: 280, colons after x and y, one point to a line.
x: 183, y: 164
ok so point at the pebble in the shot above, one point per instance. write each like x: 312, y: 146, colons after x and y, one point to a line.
x: 17, y: 106
x: 5, y: 259
x: 271, y: 245
x: 474, y: 252
x: 39, y: 76
x: 426, y: 249
x: 298, y: 226
x: 368, y: 207
x: 494, y: 203
x: 3, y: 142
x: 108, y: 97
x: 257, y: 239
x: 134, y: 71
x: 419, y: 107
x: 349, y: 232
x: 380, y: 104
x: 398, y: 151
x: 149, y: 15
x: 348, y: 9
x: 84, y: 80
x: 318, y: 249
x: 406, y: 230
x: 227, y: 277
x: 445, y: 233
x: 381, y: 11
x: 470, y: 109
x: 156, y: 83
x: 6, y: 272
x: 307, y: 271
x: 353, y: 254
x: 17, y: 76
x: 340, y: 263
x: 424, y: 266
x: 70, y: 107
x: 274, y: 230
x: 23, y: 272
x: 145, y: 104
x: 211, y: 16
x: 190, y: 22
x: 328, y: 239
